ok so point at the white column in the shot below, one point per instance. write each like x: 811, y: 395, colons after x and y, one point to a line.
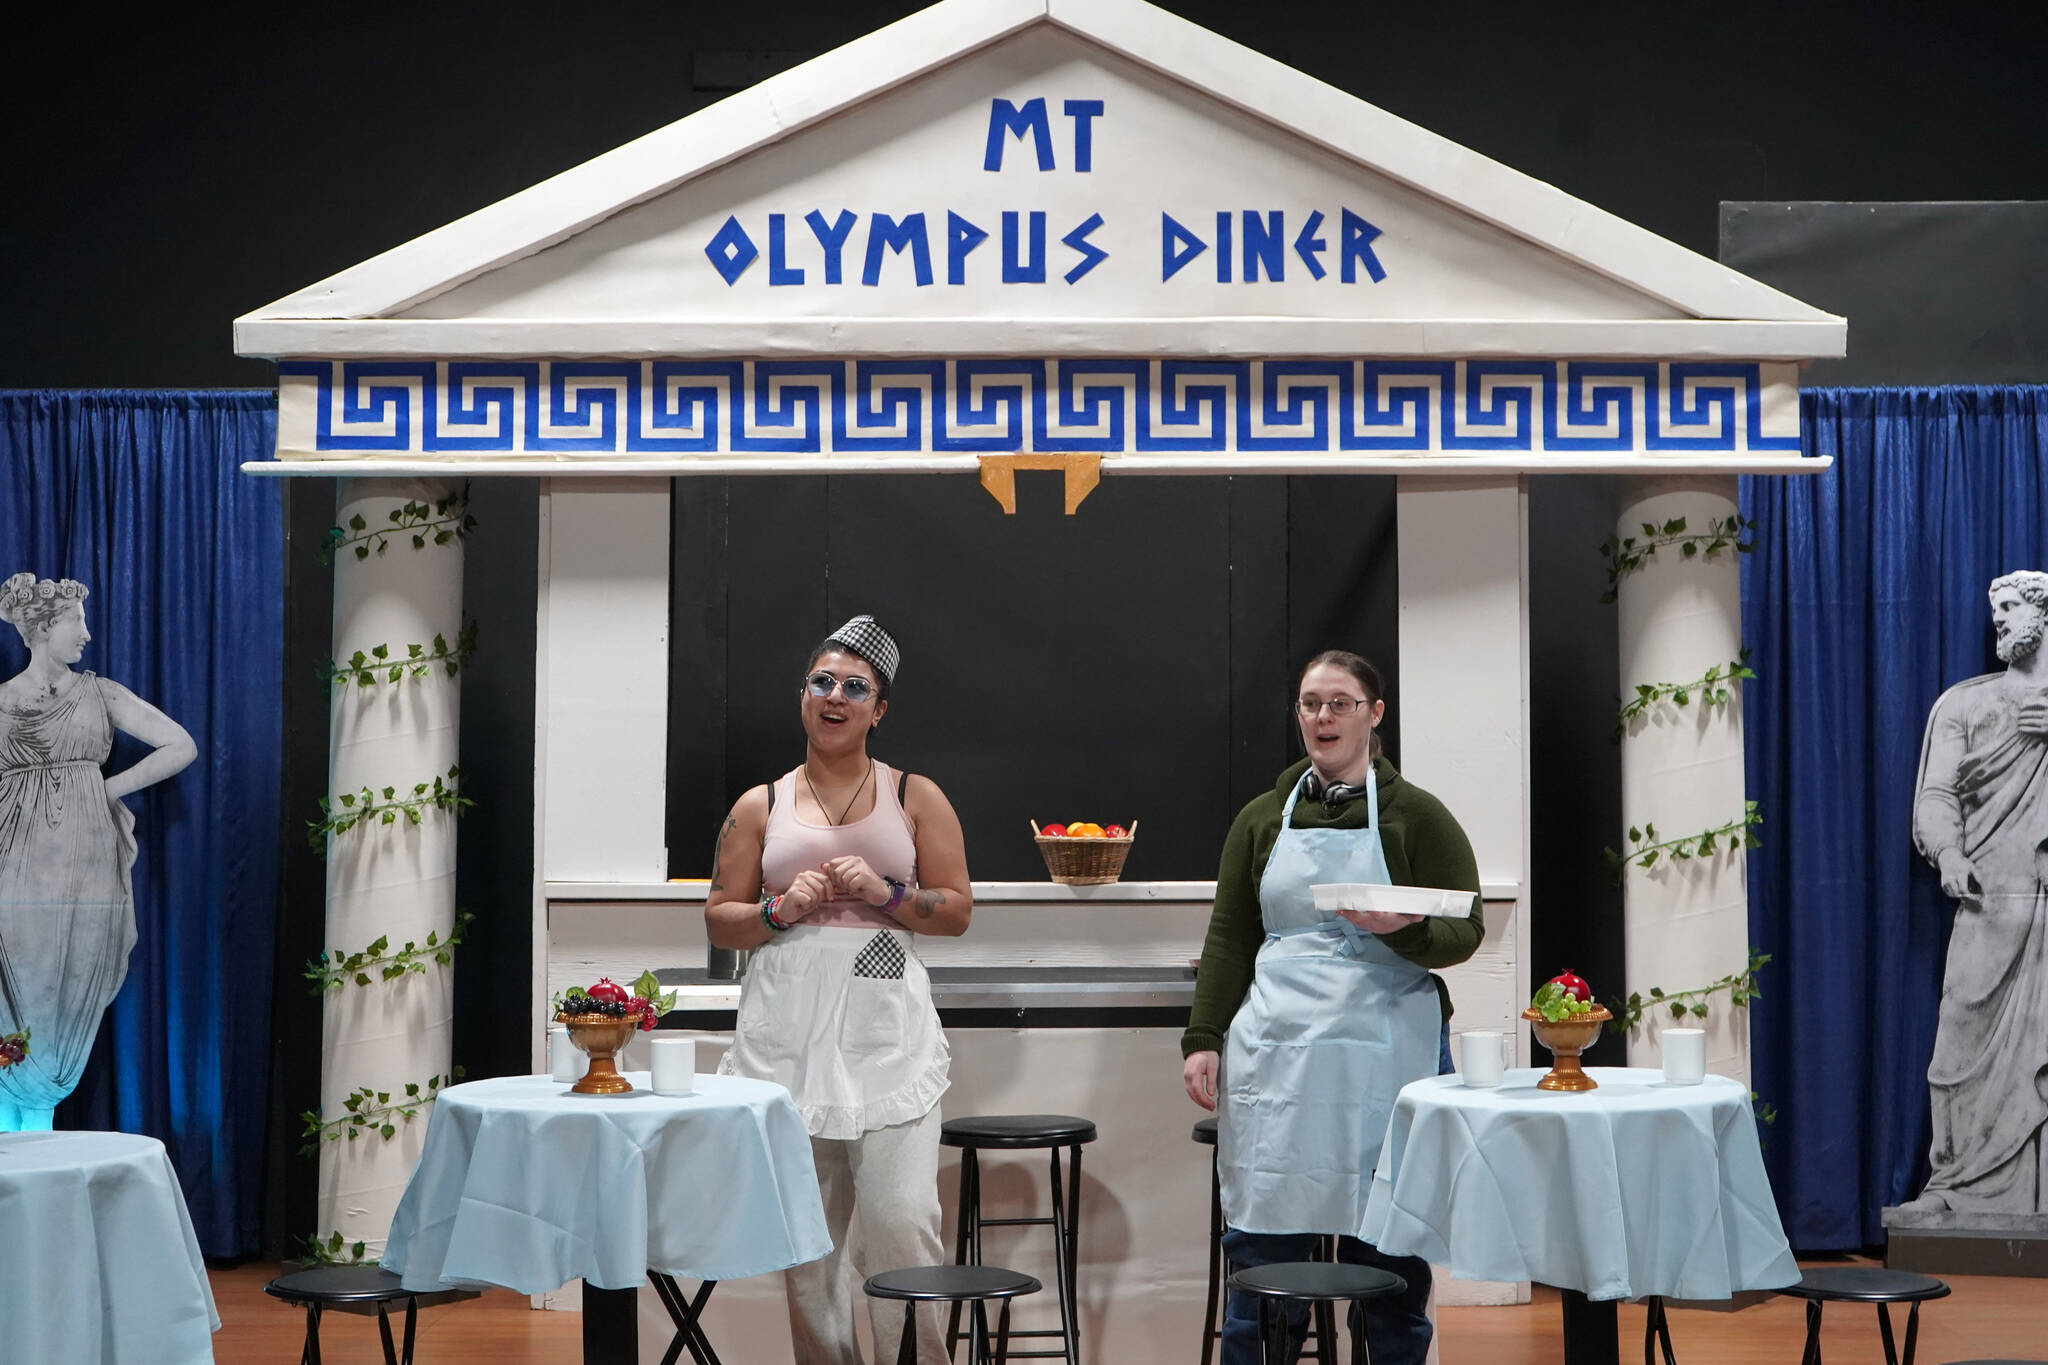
x: 1687, y: 921
x: 601, y: 728
x: 1464, y: 700
x: 394, y: 881
x: 605, y: 658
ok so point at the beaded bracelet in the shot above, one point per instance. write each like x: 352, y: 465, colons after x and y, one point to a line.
x: 768, y: 904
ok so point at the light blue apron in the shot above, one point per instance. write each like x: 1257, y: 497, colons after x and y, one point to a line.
x: 1335, y: 1024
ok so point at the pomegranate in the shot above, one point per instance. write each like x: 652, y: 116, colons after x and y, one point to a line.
x: 1572, y: 985
x: 608, y: 989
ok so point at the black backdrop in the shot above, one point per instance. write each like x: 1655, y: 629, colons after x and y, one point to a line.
x: 1133, y: 660
x: 175, y: 169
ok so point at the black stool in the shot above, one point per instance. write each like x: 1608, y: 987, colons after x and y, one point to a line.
x: 1318, y: 1283
x: 955, y: 1284
x: 1323, y: 1324
x: 1656, y: 1330
x: 361, y: 1289
x: 1023, y: 1132
x: 1865, y: 1284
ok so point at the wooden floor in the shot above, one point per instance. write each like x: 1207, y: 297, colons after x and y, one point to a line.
x: 1984, y: 1318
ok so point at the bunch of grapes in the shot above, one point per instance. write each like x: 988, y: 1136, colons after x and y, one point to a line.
x: 576, y: 1002
x: 1556, y: 1004
x: 643, y: 1009
x: 13, y: 1048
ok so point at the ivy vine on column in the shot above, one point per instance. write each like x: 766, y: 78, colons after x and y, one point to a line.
x: 369, y: 1111
x: 1712, y: 689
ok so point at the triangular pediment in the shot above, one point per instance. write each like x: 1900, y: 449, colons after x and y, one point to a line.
x: 1044, y: 176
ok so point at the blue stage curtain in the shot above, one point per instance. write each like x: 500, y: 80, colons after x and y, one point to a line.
x: 1864, y: 598
x: 138, y: 495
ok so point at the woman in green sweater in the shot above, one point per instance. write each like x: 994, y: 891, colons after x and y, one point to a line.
x: 1305, y: 1023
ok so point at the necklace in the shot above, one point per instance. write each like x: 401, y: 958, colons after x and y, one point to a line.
x: 849, y: 800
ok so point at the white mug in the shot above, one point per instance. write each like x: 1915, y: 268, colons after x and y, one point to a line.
x: 565, y: 1063
x: 672, y: 1064
x: 1482, y: 1056
x: 1685, y: 1055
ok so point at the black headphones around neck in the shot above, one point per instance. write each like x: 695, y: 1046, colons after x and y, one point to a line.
x: 1337, y: 793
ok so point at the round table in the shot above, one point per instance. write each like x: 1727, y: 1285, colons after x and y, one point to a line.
x: 525, y: 1185
x: 1638, y: 1188
x: 97, y: 1254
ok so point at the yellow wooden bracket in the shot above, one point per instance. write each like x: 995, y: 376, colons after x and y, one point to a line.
x: 999, y: 476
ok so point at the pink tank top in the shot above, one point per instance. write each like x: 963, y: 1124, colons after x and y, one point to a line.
x: 882, y: 837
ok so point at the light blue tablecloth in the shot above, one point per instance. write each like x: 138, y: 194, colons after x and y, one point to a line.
x: 525, y: 1185
x: 1632, y: 1189
x: 98, y: 1262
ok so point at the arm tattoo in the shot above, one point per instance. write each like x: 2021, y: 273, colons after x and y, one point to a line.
x: 718, y: 851
x: 925, y: 903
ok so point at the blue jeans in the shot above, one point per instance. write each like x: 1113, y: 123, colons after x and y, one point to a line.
x: 1396, y: 1329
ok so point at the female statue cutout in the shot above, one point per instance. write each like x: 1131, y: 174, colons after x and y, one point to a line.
x: 67, y: 843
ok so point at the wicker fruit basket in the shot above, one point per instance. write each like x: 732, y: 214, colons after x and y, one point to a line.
x: 1085, y: 860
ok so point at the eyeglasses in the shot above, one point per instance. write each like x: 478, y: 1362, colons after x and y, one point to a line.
x: 857, y: 689
x: 1339, y: 706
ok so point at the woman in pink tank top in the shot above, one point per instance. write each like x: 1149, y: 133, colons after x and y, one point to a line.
x: 829, y: 871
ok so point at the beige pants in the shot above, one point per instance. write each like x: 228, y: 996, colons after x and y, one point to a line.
x: 892, y: 1176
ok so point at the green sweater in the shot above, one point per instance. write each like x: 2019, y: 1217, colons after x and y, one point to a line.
x: 1424, y: 847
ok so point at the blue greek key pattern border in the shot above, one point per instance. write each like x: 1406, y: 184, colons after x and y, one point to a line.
x: 655, y: 408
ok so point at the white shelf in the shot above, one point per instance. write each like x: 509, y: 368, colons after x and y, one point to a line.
x: 985, y: 893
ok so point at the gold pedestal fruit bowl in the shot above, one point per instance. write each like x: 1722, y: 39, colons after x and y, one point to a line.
x: 601, y: 1036
x: 1566, y: 1039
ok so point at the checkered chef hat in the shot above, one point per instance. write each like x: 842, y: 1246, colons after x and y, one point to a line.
x: 872, y: 643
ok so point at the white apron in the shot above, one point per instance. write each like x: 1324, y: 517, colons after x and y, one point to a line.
x: 1335, y: 1024
x: 843, y: 1019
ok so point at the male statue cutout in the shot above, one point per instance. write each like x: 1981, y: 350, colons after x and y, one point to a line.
x: 1980, y: 815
